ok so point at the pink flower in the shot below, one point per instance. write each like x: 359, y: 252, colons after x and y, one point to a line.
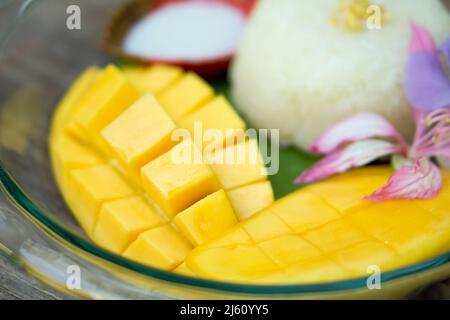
x: 365, y: 137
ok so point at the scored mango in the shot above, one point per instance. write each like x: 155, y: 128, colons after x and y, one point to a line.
x: 310, y: 240
x: 115, y: 158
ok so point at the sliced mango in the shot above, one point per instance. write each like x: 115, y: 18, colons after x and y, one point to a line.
x: 215, y: 124
x: 140, y: 134
x: 76, y: 92
x: 312, y: 239
x: 115, y: 96
x: 206, y: 219
x: 248, y: 200
x: 239, y: 164
x: 185, y: 95
x: 121, y: 221
x: 161, y: 247
x: 153, y: 79
x: 176, y: 183
x: 68, y: 153
x: 88, y: 188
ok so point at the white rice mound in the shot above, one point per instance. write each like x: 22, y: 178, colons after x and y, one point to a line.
x: 298, y: 73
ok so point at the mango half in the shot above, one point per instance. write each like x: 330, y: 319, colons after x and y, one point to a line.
x: 112, y: 154
x: 113, y: 143
x: 326, y: 232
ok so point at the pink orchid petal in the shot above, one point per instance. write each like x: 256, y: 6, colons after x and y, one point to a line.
x: 433, y: 135
x: 358, y: 127
x: 426, y: 84
x: 420, y: 181
x: 422, y: 40
x: 354, y: 155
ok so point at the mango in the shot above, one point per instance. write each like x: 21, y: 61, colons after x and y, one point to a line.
x: 311, y: 238
x: 185, y: 95
x: 68, y: 153
x: 217, y: 119
x: 153, y: 79
x: 89, y: 187
x: 114, y: 97
x: 206, y: 219
x: 182, y: 269
x: 175, y: 186
x: 161, y: 247
x: 250, y: 199
x: 140, y: 134
x: 77, y: 91
x: 121, y: 221
x: 237, y: 165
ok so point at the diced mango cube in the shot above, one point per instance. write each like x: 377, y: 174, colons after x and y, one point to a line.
x: 213, y: 124
x: 161, y: 247
x: 140, y: 134
x: 77, y: 91
x: 206, y: 219
x: 303, y: 211
x: 335, y: 235
x: 238, y: 164
x: 236, y: 235
x: 88, y: 188
x: 121, y: 221
x: 288, y: 249
x: 153, y: 79
x: 248, y: 200
x: 178, y: 178
x: 69, y: 153
x: 185, y: 95
x: 110, y: 102
x: 265, y: 226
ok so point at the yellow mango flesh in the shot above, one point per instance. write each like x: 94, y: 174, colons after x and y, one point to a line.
x: 111, y: 95
x: 176, y: 186
x: 140, y: 134
x: 250, y: 199
x: 216, y: 123
x: 309, y: 236
x: 121, y: 221
x: 90, y: 187
x: 161, y: 247
x: 238, y: 164
x: 207, y: 219
x: 153, y: 79
x: 104, y: 171
x: 185, y: 95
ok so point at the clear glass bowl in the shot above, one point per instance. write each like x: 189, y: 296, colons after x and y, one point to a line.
x: 39, y: 57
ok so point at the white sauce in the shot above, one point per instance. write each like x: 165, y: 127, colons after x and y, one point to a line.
x: 186, y: 31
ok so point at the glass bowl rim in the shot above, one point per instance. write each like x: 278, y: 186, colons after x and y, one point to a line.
x: 12, y: 189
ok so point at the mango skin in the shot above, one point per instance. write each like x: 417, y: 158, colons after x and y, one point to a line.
x: 313, y: 236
